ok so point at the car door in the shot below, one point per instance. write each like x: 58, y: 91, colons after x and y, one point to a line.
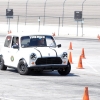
x: 13, y: 52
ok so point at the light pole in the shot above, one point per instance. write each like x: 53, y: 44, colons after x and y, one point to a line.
x: 63, y: 12
x: 44, y: 11
x: 82, y: 16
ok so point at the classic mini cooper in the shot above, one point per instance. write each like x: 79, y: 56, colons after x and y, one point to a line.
x: 26, y: 52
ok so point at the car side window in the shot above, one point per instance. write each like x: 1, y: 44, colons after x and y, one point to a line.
x: 7, y: 41
x: 15, y: 41
x: 25, y: 41
x: 50, y: 41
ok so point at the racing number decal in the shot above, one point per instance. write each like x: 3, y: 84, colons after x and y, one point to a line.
x: 12, y: 58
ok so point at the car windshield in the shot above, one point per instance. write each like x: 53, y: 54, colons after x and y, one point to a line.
x: 37, y: 41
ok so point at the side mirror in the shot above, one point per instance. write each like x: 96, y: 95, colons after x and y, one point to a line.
x: 59, y: 45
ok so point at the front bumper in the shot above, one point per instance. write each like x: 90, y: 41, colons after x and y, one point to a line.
x: 50, y: 66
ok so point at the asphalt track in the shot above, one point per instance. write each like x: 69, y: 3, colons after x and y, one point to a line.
x: 52, y: 86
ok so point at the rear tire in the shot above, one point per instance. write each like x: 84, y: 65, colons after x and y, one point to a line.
x: 66, y: 70
x: 22, y: 68
x: 2, y: 66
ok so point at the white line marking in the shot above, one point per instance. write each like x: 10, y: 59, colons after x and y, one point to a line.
x: 91, y: 67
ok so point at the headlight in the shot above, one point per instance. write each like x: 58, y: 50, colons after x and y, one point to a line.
x: 64, y: 55
x: 33, y: 56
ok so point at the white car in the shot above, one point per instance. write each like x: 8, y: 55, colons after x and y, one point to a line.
x: 35, y: 52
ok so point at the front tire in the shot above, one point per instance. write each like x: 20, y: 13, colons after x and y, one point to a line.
x: 66, y: 70
x: 2, y: 66
x: 22, y: 68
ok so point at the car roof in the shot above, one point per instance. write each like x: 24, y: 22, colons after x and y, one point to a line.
x: 20, y: 34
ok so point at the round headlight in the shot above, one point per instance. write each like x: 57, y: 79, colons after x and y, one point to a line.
x: 64, y: 55
x: 33, y: 56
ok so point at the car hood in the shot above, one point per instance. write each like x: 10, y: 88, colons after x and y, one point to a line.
x: 44, y: 51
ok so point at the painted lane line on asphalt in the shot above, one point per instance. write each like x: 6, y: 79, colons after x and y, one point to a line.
x: 91, y: 67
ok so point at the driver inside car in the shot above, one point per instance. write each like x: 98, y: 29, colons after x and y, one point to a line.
x: 16, y: 43
x: 41, y: 42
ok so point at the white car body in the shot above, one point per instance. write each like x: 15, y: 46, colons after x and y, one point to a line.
x: 49, y: 57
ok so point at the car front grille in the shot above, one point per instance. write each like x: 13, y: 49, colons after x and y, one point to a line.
x: 49, y: 60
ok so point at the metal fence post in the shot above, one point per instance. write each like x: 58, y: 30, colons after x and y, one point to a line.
x: 59, y: 26
x: 77, y: 27
x: 82, y: 17
x: 8, y: 8
x: 8, y: 24
x: 8, y: 19
x: 44, y: 12
x: 63, y: 12
x: 39, y: 24
x: 26, y: 11
x: 17, y: 23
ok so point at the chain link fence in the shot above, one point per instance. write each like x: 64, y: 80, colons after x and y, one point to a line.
x: 47, y: 12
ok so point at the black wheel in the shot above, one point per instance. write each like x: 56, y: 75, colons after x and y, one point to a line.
x: 2, y: 66
x: 22, y: 68
x: 66, y: 70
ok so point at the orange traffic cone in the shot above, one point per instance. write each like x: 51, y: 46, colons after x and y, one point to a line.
x: 10, y: 31
x: 86, y: 95
x: 70, y: 46
x: 70, y: 58
x: 53, y: 34
x: 83, y: 54
x: 80, y: 66
x: 98, y: 36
